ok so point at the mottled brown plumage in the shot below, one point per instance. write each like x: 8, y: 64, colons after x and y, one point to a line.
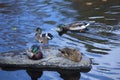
x: 72, y: 54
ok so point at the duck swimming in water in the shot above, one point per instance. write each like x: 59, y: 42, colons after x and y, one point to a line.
x: 35, y: 52
x: 43, y: 38
x: 76, y: 27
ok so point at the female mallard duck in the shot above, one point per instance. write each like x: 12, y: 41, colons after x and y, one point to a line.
x: 35, y: 52
x: 43, y: 38
x: 76, y: 26
x: 72, y: 54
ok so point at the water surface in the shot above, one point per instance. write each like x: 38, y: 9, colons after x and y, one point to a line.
x: 19, y: 18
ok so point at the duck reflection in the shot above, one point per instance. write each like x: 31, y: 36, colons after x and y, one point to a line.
x: 70, y: 75
x: 34, y: 74
x: 66, y: 75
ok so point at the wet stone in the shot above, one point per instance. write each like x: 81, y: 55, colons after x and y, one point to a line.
x: 52, y: 60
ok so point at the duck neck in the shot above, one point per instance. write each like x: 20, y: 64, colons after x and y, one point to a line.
x: 38, y: 35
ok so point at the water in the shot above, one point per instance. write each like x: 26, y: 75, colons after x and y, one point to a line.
x: 19, y: 18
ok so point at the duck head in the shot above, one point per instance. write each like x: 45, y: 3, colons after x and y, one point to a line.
x: 34, y: 48
x: 35, y: 52
x: 61, y: 29
x: 38, y: 30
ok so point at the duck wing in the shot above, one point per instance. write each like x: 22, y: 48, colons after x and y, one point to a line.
x: 45, y: 40
x: 78, y: 26
x: 38, y: 37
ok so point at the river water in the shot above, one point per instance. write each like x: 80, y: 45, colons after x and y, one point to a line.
x: 19, y: 18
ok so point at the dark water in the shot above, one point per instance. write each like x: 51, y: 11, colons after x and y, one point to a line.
x: 19, y: 18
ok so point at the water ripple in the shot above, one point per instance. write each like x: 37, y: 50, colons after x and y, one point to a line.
x: 19, y: 18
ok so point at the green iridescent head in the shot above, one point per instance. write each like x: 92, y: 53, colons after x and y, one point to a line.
x: 60, y: 27
x: 39, y: 30
x: 35, y: 48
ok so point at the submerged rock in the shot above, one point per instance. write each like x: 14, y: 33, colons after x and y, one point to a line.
x: 52, y: 60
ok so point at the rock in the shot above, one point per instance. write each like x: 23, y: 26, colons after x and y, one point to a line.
x: 52, y: 60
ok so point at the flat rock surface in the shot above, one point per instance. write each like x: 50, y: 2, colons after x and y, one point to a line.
x: 52, y: 60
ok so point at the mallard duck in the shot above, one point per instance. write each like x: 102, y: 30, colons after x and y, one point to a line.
x: 76, y: 26
x: 35, y: 52
x: 72, y: 54
x: 43, y: 38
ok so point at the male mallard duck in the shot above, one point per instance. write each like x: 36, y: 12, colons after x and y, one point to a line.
x: 43, y: 38
x: 72, y: 54
x: 76, y: 26
x: 35, y: 53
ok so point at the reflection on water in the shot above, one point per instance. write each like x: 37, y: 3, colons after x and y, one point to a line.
x: 66, y: 75
x: 102, y: 11
x: 34, y: 74
x: 19, y: 18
